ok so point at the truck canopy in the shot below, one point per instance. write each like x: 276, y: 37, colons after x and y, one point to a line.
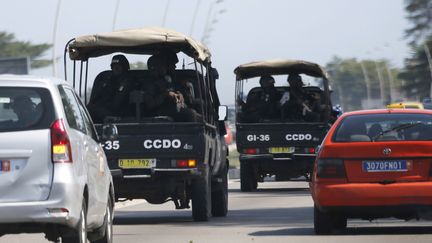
x: 149, y: 40
x: 279, y: 66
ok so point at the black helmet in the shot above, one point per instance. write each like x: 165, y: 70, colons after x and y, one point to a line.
x: 122, y: 60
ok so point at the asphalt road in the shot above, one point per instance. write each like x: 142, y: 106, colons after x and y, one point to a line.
x: 277, y: 212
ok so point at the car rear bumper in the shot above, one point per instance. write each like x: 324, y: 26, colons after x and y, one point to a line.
x: 66, y: 193
x: 372, y: 194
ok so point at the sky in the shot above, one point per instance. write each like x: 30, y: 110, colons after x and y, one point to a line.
x: 241, y: 30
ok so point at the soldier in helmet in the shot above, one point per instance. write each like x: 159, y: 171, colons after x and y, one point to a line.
x: 162, y: 96
x: 262, y: 105
x: 110, y: 96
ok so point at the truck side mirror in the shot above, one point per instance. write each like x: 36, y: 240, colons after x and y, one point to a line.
x: 223, y: 113
x: 109, y: 132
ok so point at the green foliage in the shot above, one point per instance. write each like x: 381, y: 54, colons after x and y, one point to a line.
x: 420, y: 15
x: 416, y: 74
x: 10, y: 47
x: 349, y: 82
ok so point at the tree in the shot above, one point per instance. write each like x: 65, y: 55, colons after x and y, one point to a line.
x: 351, y: 83
x: 10, y: 47
x: 420, y: 15
x: 416, y: 74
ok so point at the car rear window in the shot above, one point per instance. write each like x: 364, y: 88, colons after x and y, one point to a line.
x: 23, y: 108
x: 384, y: 127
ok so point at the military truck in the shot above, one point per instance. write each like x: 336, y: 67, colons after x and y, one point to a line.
x: 280, y: 147
x: 155, y: 157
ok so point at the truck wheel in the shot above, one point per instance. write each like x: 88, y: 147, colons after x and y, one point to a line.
x: 323, y: 224
x: 220, y: 195
x: 79, y: 234
x: 201, y: 197
x: 247, y: 180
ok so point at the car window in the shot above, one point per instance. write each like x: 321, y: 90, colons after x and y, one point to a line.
x: 90, y: 131
x: 384, y: 127
x: 72, y: 111
x: 25, y: 108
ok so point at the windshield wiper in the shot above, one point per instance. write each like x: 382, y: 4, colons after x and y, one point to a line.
x: 396, y: 128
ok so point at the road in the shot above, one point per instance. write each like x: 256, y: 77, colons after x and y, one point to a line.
x: 277, y: 212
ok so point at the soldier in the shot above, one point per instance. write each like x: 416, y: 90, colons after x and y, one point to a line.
x: 110, y: 96
x: 262, y: 105
x: 298, y: 104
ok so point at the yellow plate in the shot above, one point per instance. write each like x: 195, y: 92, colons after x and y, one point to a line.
x: 281, y: 150
x: 137, y: 163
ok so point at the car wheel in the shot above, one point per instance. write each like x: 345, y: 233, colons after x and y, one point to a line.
x: 323, y: 224
x: 247, y: 180
x: 220, y: 195
x: 79, y: 234
x: 339, y: 222
x: 107, y: 229
x: 201, y: 197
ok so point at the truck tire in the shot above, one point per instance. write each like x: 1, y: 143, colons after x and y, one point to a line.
x: 247, y: 181
x: 201, y: 197
x: 220, y: 194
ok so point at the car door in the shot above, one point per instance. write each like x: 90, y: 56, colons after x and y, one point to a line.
x: 98, y: 172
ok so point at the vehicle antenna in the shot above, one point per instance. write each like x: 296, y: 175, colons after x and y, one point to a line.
x: 183, y: 64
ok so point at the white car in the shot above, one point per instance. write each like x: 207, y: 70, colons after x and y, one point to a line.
x: 54, y: 176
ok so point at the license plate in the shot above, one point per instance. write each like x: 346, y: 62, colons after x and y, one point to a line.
x: 282, y: 150
x: 137, y: 163
x: 385, y: 166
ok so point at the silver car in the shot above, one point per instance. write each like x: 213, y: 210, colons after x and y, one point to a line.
x: 54, y: 177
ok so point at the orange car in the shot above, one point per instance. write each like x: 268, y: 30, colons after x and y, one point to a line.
x: 373, y: 164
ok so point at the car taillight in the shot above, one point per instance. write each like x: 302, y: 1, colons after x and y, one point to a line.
x: 430, y: 169
x: 250, y: 151
x: 309, y: 150
x: 330, y: 168
x: 186, y: 163
x: 60, y: 144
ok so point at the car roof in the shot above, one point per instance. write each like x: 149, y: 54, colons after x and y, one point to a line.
x: 410, y: 104
x: 29, y: 80
x: 149, y: 40
x: 387, y: 111
x: 279, y: 66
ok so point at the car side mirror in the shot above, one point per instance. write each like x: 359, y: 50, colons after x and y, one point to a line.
x: 223, y: 113
x: 109, y: 132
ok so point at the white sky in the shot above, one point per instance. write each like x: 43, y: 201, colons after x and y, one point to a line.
x: 249, y: 30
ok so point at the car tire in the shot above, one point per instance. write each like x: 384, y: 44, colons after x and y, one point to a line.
x: 201, y: 197
x: 323, y: 224
x: 340, y: 222
x: 79, y: 234
x: 247, y: 181
x: 220, y: 194
x: 106, y: 231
